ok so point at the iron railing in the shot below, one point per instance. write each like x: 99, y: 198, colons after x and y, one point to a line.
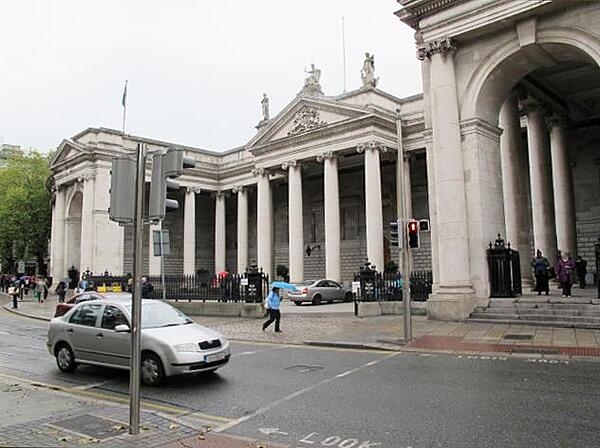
x: 377, y: 286
x: 249, y: 287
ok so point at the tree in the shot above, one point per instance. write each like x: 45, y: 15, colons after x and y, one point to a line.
x: 25, y: 209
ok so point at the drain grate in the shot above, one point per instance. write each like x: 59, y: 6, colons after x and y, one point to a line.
x: 303, y: 368
x: 91, y: 426
x: 520, y: 337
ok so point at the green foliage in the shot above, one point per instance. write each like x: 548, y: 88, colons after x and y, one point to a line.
x: 25, y: 210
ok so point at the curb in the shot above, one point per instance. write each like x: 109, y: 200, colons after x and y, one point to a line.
x: 349, y: 345
x: 10, y: 309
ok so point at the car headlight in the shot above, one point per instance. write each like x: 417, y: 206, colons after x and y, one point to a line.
x: 187, y: 348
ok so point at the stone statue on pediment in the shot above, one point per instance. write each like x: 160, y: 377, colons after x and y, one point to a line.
x: 311, y: 83
x: 367, y: 74
x: 265, y: 106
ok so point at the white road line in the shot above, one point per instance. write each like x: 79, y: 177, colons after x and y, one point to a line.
x: 299, y: 392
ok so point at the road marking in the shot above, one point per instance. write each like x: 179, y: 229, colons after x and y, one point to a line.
x: 269, y: 406
x: 269, y: 431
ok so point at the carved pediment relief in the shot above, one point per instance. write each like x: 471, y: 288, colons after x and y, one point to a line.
x: 306, y: 119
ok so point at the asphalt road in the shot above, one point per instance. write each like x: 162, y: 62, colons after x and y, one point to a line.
x: 315, y: 397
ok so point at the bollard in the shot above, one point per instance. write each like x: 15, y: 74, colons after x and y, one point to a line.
x: 15, y: 302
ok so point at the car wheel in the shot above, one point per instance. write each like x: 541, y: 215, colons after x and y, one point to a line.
x: 316, y: 299
x: 297, y: 302
x: 65, y: 358
x: 152, y: 370
x: 348, y: 297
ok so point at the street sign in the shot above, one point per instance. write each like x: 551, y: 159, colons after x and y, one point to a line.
x: 158, y: 237
x: 21, y: 267
x: 244, y: 282
x: 355, y: 287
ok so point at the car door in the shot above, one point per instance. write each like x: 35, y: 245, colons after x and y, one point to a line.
x: 112, y: 347
x: 82, y: 331
x: 337, y: 291
x: 320, y: 289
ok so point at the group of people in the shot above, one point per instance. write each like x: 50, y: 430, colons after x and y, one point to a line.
x: 564, y: 270
x: 21, y: 286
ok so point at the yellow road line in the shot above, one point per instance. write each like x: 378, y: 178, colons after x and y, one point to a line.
x: 112, y: 398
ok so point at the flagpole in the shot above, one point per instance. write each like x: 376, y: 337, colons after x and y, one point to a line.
x: 344, y: 52
x: 124, y: 103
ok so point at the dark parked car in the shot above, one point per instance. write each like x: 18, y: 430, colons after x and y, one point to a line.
x: 319, y: 291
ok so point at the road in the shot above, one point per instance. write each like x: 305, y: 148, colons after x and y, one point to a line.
x: 317, y: 397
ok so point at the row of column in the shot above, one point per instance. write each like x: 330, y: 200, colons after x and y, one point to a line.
x: 550, y: 178
x: 264, y: 230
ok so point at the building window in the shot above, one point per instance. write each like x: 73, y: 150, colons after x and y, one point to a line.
x: 317, y: 231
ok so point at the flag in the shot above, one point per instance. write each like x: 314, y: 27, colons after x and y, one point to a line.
x: 124, y: 99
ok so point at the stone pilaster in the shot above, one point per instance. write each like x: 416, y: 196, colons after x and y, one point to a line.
x: 332, y: 215
x: 189, y: 231
x: 514, y: 185
x: 544, y: 230
x: 242, y: 228
x: 58, y: 243
x: 295, y: 221
x: 373, y: 206
x: 264, y: 221
x: 453, y: 295
x: 562, y: 180
x: 220, y: 249
x: 86, y: 260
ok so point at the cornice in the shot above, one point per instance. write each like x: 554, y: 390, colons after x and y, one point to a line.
x: 414, y: 10
x: 479, y: 126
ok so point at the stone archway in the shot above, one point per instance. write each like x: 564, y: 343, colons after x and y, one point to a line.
x: 73, y: 230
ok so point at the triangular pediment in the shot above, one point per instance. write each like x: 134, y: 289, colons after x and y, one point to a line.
x: 67, y: 150
x: 303, y: 115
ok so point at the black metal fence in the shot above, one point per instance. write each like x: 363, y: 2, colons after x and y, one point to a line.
x: 250, y: 287
x: 505, y: 272
x: 377, y: 286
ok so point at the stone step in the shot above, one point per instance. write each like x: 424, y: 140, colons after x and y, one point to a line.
x: 538, y: 323
x: 553, y: 306
x: 537, y: 317
x: 544, y: 311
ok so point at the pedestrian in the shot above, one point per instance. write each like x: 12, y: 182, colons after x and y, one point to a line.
x: 61, y: 290
x: 565, y: 270
x: 129, y: 282
x: 581, y: 268
x: 147, y: 288
x: 541, y: 268
x: 83, y: 284
x: 41, y: 290
x: 272, y: 304
x: 14, y: 291
x: 46, y: 287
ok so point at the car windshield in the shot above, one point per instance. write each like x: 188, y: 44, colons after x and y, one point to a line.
x: 305, y: 283
x: 160, y: 314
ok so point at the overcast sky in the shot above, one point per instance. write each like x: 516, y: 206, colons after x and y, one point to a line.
x: 196, y: 68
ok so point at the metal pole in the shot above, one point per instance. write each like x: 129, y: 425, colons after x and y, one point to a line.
x: 404, y: 251
x: 136, y: 309
x: 162, y: 262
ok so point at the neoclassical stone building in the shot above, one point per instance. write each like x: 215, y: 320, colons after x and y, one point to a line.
x: 503, y: 140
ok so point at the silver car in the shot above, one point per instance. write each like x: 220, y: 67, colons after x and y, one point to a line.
x: 319, y: 291
x: 98, y: 332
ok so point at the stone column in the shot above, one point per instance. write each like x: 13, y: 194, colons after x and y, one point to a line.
x: 58, y: 244
x: 544, y: 230
x: 373, y: 206
x: 242, y: 228
x: 264, y: 219
x: 154, y: 262
x: 514, y: 185
x: 295, y: 221
x: 220, y: 249
x: 86, y: 261
x: 453, y: 296
x: 562, y: 180
x: 189, y: 231
x: 332, y: 216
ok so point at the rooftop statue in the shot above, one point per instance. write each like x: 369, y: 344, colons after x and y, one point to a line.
x: 265, y: 106
x: 311, y: 83
x: 367, y: 73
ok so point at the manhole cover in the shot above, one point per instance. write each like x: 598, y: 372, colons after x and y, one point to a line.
x: 521, y: 337
x: 302, y: 368
x: 92, y: 426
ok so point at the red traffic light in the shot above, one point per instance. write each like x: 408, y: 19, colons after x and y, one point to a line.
x: 412, y: 231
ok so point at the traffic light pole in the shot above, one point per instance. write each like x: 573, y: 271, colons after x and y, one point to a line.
x: 404, y: 251
x: 136, y: 309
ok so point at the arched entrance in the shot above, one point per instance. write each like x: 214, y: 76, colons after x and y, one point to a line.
x: 73, y: 230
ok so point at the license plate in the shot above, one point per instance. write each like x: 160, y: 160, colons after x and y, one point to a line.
x: 215, y: 357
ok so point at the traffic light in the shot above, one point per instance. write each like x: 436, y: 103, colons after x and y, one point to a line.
x: 394, y: 235
x: 412, y: 233
x: 122, y: 189
x: 166, y: 167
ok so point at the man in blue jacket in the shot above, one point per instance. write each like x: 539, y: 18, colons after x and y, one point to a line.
x: 272, y: 305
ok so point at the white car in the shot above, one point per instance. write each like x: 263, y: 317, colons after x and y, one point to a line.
x: 98, y: 332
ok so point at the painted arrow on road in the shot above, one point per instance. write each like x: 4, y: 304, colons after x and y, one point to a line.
x: 269, y: 431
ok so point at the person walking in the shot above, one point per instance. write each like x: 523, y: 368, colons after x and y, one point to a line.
x: 272, y: 304
x: 61, y: 290
x: 147, y: 288
x: 564, y: 271
x: 541, y: 266
x: 581, y: 268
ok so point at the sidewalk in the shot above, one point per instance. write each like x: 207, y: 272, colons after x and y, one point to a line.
x: 347, y: 331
